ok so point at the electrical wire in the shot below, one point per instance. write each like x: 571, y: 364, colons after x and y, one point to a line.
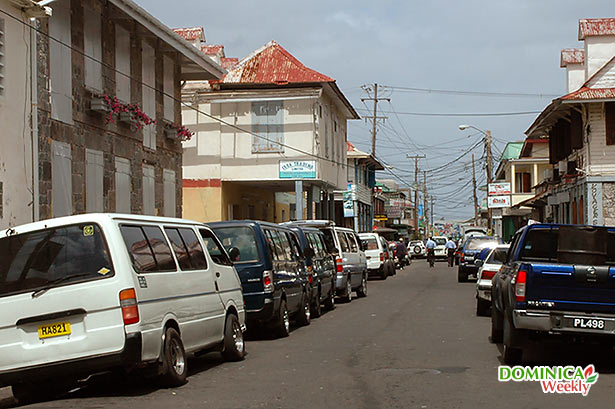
x: 470, y: 93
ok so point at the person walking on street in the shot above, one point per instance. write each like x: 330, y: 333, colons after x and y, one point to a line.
x: 450, y: 251
x: 431, y: 248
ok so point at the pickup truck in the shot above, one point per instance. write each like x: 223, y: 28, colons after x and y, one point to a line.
x: 557, y: 283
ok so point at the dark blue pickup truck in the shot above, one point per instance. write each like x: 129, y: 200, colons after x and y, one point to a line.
x: 558, y: 283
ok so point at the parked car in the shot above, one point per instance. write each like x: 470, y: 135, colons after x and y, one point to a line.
x: 555, y: 285
x: 377, y: 255
x: 471, y: 247
x: 351, y: 263
x: 89, y: 293
x: 321, y: 265
x: 486, y: 271
x: 440, y: 250
x: 417, y: 249
x: 271, y: 267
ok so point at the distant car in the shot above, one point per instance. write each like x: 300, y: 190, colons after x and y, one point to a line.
x: 486, y: 271
x: 440, y: 251
x: 471, y: 248
x: 377, y: 255
x: 417, y: 249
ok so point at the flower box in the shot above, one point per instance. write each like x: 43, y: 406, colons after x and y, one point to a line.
x: 98, y: 104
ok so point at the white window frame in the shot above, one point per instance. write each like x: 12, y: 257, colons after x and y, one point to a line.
x: 122, y: 63
x: 268, y: 122
x: 169, y: 186
x: 92, y: 44
x: 149, y: 190
x: 149, y: 93
x: 61, y: 179
x: 123, y: 189
x: 60, y: 63
x: 94, y: 181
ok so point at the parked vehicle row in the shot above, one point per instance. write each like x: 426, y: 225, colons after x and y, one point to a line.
x: 380, y: 258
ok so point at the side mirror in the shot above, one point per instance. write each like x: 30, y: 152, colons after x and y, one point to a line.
x: 335, y: 252
x: 308, y: 252
x: 478, y: 263
x: 234, y: 254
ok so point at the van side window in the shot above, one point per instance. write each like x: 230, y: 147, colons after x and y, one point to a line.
x: 352, y: 242
x: 294, y: 246
x: 195, y: 250
x: 313, y: 243
x: 181, y: 249
x: 343, y: 242
x: 215, y: 249
x: 321, y: 243
x: 272, y: 245
x: 285, y: 245
x: 149, y: 253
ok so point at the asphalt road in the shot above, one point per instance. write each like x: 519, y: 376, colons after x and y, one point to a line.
x: 414, y: 342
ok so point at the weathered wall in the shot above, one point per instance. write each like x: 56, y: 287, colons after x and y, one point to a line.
x: 608, y: 203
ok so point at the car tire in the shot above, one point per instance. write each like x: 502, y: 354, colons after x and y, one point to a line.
x: 174, y: 360
x: 234, y: 347
x: 362, y: 290
x: 482, y: 307
x: 304, y: 314
x: 282, y: 326
x: 461, y: 276
x: 497, y: 331
x: 330, y: 301
x: 316, y: 307
x: 512, y: 356
x: 347, y: 295
x: 384, y: 272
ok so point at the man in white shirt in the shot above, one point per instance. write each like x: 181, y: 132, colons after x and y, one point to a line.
x: 431, y: 248
x: 450, y: 252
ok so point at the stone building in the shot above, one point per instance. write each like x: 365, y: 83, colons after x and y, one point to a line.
x: 95, y: 56
x: 581, y: 130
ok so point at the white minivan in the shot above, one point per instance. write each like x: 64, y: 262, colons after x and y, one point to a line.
x: 93, y: 292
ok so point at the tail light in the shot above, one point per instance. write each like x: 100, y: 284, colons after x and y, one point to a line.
x: 461, y: 257
x: 130, y: 309
x: 520, y: 285
x: 339, y: 266
x: 268, y: 281
x: 381, y: 257
x: 310, y: 278
x: 487, y: 274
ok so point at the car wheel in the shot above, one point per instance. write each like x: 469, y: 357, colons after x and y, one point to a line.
x: 316, y: 307
x: 482, y: 307
x: 234, y: 345
x: 512, y: 356
x: 330, y: 301
x: 497, y: 332
x: 347, y: 296
x: 283, y: 321
x: 384, y: 272
x: 461, y: 276
x: 174, y: 360
x: 362, y: 291
x: 304, y: 313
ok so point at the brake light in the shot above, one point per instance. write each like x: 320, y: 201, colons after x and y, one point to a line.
x: 520, y: 283
x: 268, y: 281
x: 487, y: 274
x: 461, y: 257
x: 128, y: 304
x: 339, y: 266
x: 381, y: 257
x: 310, y: 278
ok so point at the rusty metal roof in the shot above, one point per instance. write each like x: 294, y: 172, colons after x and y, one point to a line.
x: 191, y: 33
x: 228, y: 63
x: 589, y: 27
x: 212, y: 49
x: 586, y: 93
x: 272, y: 64
x: 572, y: 56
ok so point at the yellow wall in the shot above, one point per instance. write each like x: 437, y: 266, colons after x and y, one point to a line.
x: 242, y: 196
x: 202, y: 204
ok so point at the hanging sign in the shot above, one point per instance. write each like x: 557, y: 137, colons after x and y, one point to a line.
x: 298, y: 169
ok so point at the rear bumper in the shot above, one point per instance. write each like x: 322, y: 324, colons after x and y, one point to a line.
x: 265, y: 313
x: 78, y: 368
x: 559, y: 322
x: 483, y: 289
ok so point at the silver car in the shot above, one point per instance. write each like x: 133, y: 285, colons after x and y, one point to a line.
x: 486, y: 271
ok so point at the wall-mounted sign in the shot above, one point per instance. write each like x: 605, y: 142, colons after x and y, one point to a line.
x: 498, y: 201
x: 499, y: 189
x: 298, y: 169
x: 349, y: 201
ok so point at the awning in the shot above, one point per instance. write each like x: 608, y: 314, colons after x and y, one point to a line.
x: 539, y: 200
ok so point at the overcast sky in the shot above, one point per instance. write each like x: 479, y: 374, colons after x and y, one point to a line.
x: 486, y: 46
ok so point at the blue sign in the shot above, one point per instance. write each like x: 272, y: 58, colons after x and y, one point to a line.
x: 420, y: 210
x: 298, y: 169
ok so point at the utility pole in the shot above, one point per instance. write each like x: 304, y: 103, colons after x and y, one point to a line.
x: 425, y: 206
x: 416, y: 189
x: 375, y: 117
x: 431, y: 228
x: 474, y: 193
x: 489, y: 164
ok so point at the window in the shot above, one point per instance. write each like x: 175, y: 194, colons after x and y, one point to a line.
x: 523, y: 182
x: 609, y: 115
x: 61, y: 179
x: 343, y: 242
x: 295, y: 248
x: 268, y: 123
x: 122, y: 63
x: 187, y: 249
x: 2, y: 57
x: 60, y: 66
x: 325, y: 134
x: 148, y: 249
x: 352, y: 242
x: 149, y: 94
x: 540, y: 245
x: 169, y: 193
x: 149, y: 194
x: 276, y: 254
x: 285, y: 246
x: 370, y: 243
x: 169, y: 88
x: 215, y: 249
x: 94, y: 173
x: 498, y: 256
x: 122, y: 185
x: 92, y: 49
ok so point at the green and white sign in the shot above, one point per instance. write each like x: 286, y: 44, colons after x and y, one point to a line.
x: 298, y: 169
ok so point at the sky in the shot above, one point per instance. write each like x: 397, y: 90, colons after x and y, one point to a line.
x: 503, y: 47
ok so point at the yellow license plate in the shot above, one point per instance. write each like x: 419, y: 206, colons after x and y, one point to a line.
x: 54, y: 330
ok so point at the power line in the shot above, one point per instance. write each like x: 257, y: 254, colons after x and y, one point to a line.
x: 466, y: 114
x: 471, y: 93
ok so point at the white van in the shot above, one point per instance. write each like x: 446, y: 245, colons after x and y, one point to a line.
x: 88, y: 293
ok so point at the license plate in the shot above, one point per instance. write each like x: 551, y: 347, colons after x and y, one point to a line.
x: 588, y: 323
x: 54, y: 330
x: 469, y: 258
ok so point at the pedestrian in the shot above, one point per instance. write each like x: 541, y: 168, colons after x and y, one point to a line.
x: 450, y: 251
x: 401, y: 252
x: 430, y: 245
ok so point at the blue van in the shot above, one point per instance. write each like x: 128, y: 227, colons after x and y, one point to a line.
x: 271, y: 266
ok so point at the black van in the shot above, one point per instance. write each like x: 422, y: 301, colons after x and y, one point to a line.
x: 321, y: 264
x: 272, y: 270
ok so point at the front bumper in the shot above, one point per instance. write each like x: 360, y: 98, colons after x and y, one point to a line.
x: 560, y: 322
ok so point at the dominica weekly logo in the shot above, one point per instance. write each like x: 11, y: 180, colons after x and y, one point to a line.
x: 556, y: 379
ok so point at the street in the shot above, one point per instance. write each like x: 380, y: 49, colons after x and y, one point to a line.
x: 414, y: 342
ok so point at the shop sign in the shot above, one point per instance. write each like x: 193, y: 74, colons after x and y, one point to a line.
x: 298, y: 169
x: 498, y: 201
x: 349, y: 201
x: 499, y: 189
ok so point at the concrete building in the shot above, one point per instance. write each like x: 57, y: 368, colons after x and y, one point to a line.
x: 581, y: 130
x: 271, y: 125
x: 17, y: 184
x: 398, y: 209
x: 109, y: 78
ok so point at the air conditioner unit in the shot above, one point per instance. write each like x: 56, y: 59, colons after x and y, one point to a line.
x: 562, y: 166
x: 548, y: 174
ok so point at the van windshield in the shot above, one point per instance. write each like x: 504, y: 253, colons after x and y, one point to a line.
x: 241, y: 237
x: 33, y: 260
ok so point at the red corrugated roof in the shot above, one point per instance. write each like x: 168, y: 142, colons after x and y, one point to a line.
x: 191, y: 33
x: 228, y: 63
x: 212, y: 49
x: 589, y: 27
x: 272, y: 64
x: 572, y: 56
x: 585, y: 93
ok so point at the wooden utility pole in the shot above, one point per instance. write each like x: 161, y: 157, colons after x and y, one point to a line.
x: 431, y: 227
x: 489, y: 172
x: 425, y: 205
x: 375, y: 117
x: 416, y: 189
x: 474, y: 193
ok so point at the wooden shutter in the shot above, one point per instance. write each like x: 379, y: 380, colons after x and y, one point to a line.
x: 275, y: 125
x: 609, y: 114
x: 168, y: 177
x: 259, y: 127
x: 122, y: 185
x: 94, y: 173
x: 576, y: 130
x: 169, y: 88
x: 149, y: 194
x: 92, y: 49
x: 60, y: 66
x: 122, y: 63
x: 149, y: 94
x: 61, y: 179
